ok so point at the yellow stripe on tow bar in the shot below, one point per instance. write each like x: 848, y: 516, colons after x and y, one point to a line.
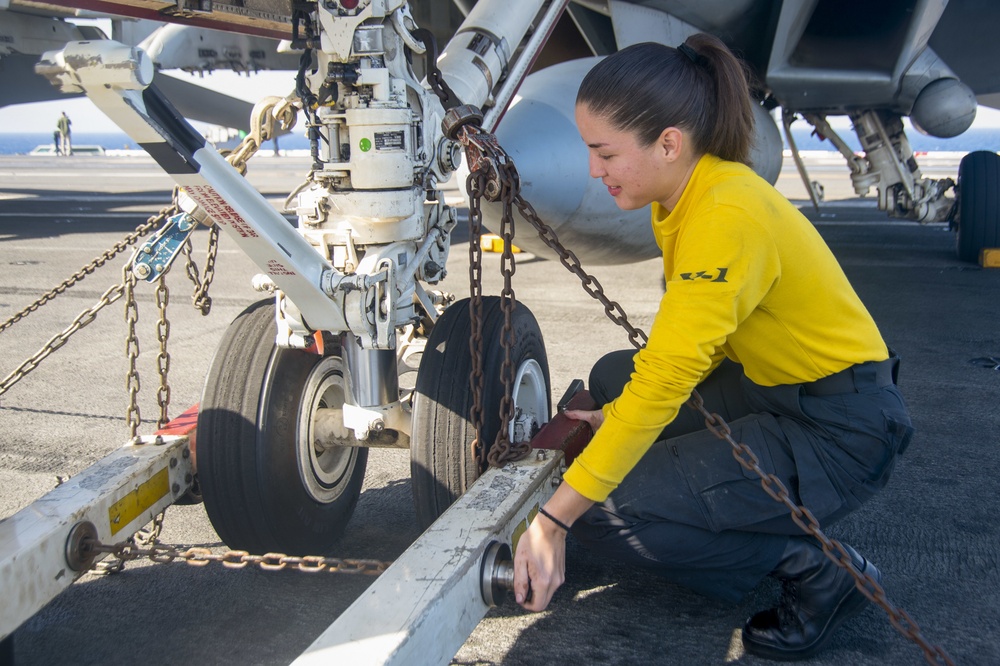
x: 130, y: 507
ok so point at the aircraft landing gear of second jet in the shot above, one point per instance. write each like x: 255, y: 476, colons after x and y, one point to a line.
x: 978, y: 206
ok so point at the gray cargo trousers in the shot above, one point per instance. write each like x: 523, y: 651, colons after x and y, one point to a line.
x: 689, y: 511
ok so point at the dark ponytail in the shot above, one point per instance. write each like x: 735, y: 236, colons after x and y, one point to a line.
x: 699, y: 87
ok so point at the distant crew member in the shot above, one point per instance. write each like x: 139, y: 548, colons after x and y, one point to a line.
x: 55, y: 142
x: 760, y: 318
x: 63, y: 128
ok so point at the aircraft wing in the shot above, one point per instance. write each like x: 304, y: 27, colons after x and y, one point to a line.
x: 28, y: 29
x: 263, y: 18
x: 209, y: 106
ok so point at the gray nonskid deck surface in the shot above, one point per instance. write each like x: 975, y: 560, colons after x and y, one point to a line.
x: 933, y: 531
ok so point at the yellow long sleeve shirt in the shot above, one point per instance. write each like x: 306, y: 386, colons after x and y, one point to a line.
x: 748, y: 277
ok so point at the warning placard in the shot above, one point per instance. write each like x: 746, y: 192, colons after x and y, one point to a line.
x: 220, y: 211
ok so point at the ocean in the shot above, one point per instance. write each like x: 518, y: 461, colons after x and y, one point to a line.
x: 22, y: 144
x: 974, y: 139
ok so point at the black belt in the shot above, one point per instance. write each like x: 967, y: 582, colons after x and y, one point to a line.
x: 861, y: 378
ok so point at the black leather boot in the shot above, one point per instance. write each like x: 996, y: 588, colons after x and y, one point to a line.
x: 817, y: 596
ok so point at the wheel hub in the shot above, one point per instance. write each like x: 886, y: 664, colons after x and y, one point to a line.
x: 325, y: 447
x: 531, y: 406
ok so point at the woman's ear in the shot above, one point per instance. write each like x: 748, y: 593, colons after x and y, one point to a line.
x: 670, y: 142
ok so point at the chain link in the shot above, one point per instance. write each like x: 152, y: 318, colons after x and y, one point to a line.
x: 146, y: 543
x: 144, y: 538
x: 127, y: 551
x: 132, y: 384
x: 112, y: 294
x: 486, y: 155
x: 492, y: 176
x: 163, y: 357
x: 265, y: 114
x: 476, y: 184
x: 436, y: 80
x: 503, y: 450
x: 200, y: 298
x: 590, y: 284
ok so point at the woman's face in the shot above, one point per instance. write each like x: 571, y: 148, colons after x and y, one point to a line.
x: 635, y: 175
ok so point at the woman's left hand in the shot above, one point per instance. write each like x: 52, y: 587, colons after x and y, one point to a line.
x: 539, y: 564
x: 594, y: 417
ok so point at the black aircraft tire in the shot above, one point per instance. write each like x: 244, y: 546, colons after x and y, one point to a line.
x: 266, y: 489
x: 979, y: 204
x: 442, y: 466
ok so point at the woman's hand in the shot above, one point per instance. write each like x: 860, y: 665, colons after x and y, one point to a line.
x: 540, y: 560
x: 539, y: 564
x: 595, y: 418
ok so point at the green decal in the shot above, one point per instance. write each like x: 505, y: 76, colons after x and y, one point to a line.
x: 365, y: 145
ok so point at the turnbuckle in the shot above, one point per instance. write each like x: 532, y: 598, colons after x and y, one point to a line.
x: 153, y: 258
x: 482, y: 151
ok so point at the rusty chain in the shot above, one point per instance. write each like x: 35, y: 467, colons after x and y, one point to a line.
x: 493, y: 178
x: 476, y: 184
x: 832, y: 548
x: 488, y: 159
x: 505, y: 450
x: 612, y: 309
x: 435, y: 78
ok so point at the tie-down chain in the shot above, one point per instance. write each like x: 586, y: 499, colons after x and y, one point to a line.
x: 84, y: 548
x: 494, y: 176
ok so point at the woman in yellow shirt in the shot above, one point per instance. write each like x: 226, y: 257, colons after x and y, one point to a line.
x: 759, y: 317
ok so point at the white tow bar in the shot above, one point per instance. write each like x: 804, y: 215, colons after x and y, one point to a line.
x: 423, y: 608
x: 40, y: 545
